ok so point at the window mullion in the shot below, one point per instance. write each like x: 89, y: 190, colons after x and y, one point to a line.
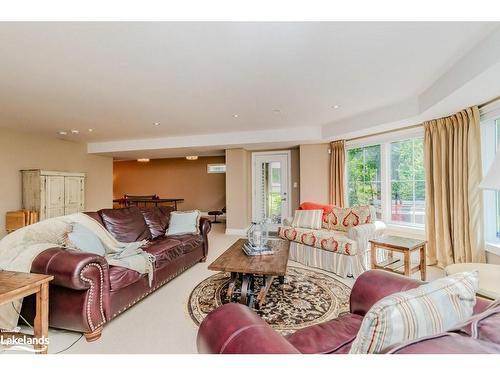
x: 385, y: 176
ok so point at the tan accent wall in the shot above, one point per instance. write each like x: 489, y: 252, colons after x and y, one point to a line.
x: 173, y: 178
x: 20, y: 150
x: 314, y: 169
x: 239, y: 186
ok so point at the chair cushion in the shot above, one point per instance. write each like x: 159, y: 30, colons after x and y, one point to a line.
x: 427, y: 310
x: 121, y: 277
x: 165, y: 250
x: 126, y: 224
x: 311, y: 219
x: 156, y: 220
x: 327, y: 208
x: 189, y: 241
x: 344, y: 218
x: 324, y: 239
x: 328, y: 337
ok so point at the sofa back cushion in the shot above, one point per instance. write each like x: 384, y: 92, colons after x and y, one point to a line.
x: 310, y: 219
x: 156, y: 220
x: 126, y: 224
x: 427, y: 310
x: 344, y: 218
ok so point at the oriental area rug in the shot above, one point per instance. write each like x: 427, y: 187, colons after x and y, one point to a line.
x: 307, y: 298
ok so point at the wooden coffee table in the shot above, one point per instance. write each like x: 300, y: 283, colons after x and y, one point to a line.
x: 403, y: 245
x: 248, y: 268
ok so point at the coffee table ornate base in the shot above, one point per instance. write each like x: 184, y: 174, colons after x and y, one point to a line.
x: 249, y: 293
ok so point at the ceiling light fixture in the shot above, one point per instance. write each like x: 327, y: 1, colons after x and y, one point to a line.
x: 91, y: 130
x: 143, y: 160
x: 276, y: 110
x: 156, y: 123
x: 192, y: 157
x: 62, y: 132
x: 74, y: 131
x: 336, y: 106
x: 235, y: 115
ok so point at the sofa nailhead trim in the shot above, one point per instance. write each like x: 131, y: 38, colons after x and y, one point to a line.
x: 91, y: 295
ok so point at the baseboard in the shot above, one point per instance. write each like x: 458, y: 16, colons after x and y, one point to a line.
x: 236, y: 231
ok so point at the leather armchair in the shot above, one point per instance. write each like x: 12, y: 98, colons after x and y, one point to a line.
x: 235, y: 329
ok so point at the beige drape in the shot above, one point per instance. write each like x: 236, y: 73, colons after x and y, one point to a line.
x: 337, y: 168
x: 454, y: 205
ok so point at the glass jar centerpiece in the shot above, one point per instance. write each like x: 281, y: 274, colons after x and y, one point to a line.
x: 258, y: 235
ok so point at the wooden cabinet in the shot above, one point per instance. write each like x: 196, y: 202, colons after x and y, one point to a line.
x: 53, y: 193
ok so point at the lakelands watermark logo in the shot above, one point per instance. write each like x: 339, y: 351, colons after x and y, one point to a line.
x: 13, y: 341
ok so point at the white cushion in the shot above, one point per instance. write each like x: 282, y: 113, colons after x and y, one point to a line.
x: 186, y: 222
x: 427, y: 310
x: 311, y: 219
x: 82, y: 238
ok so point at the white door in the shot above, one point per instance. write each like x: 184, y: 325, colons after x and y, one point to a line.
x: 73, y: 194
x: 54, y: 196
x: 271, y: 187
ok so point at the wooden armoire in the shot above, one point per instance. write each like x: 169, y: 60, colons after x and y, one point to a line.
x: 53, y: 193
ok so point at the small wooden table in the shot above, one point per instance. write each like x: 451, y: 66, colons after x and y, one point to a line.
x: 248, y: 268
x: 401, y: 245
x: 16, y: 285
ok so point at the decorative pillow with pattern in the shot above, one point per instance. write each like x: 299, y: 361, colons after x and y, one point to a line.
x: 307, y: 219
x: 427, y: 310
x: 345, y: 218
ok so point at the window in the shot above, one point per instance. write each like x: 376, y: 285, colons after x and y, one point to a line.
x: 364, y: 183
x: 490, y: 142
x: 216, y: 168
x: 391, y: 177
x: 408, y: 182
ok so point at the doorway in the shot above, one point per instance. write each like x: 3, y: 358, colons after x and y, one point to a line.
x: 271, y: 187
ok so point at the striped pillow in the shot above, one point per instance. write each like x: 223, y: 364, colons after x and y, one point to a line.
x: 427, y: 310
x: 308, y: 219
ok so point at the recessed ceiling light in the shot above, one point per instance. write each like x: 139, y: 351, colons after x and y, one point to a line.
x: 143, y: 160
x: 235, y: 115
x: 276, y: 110
x: 336, y: 106
x: 156, y: 123
x: 91, y: 130
x: 74, y: 131
x: 62, y: 132
x: 192, y: 157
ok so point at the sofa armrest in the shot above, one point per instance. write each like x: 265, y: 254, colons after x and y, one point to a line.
x: 235, y: 329
x: 72, y: 269
x: 372, y: 286
x: 205, y: 227
x: 362, y: 233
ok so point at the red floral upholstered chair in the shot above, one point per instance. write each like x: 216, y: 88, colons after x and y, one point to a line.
x: 338, y: 244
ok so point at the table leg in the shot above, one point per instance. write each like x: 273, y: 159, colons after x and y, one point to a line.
x: 246, y: 289
x: 175, y: 205
x: 261, y: 298
x: 373, y: 256
x: 423, y: 264
x: 41, y: 324
x: 231, y: 285
x: 407, y: 262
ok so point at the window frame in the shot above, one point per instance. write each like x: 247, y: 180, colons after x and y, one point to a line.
x: 385, y: 140
x: 489, y: 125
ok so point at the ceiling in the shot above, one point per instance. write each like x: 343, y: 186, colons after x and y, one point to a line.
x: 120, y: 78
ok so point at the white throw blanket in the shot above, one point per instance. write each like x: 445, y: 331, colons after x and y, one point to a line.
x: 20, y: 248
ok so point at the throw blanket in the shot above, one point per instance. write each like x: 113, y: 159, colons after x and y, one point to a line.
x: 20, y: 248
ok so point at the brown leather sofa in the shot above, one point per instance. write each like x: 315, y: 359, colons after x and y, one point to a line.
x: 86, y: 292
x: 235, y: 329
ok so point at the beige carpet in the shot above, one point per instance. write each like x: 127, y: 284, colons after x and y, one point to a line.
x: 160, y: 323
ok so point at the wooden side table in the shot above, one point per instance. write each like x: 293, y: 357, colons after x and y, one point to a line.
x: 401, y: 245
x: 16, y: 285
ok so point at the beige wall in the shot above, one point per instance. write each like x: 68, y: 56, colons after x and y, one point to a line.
x: 20, y: 150
x: 173, y: 178
x: 239, y: 186
x: 314, y: 173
